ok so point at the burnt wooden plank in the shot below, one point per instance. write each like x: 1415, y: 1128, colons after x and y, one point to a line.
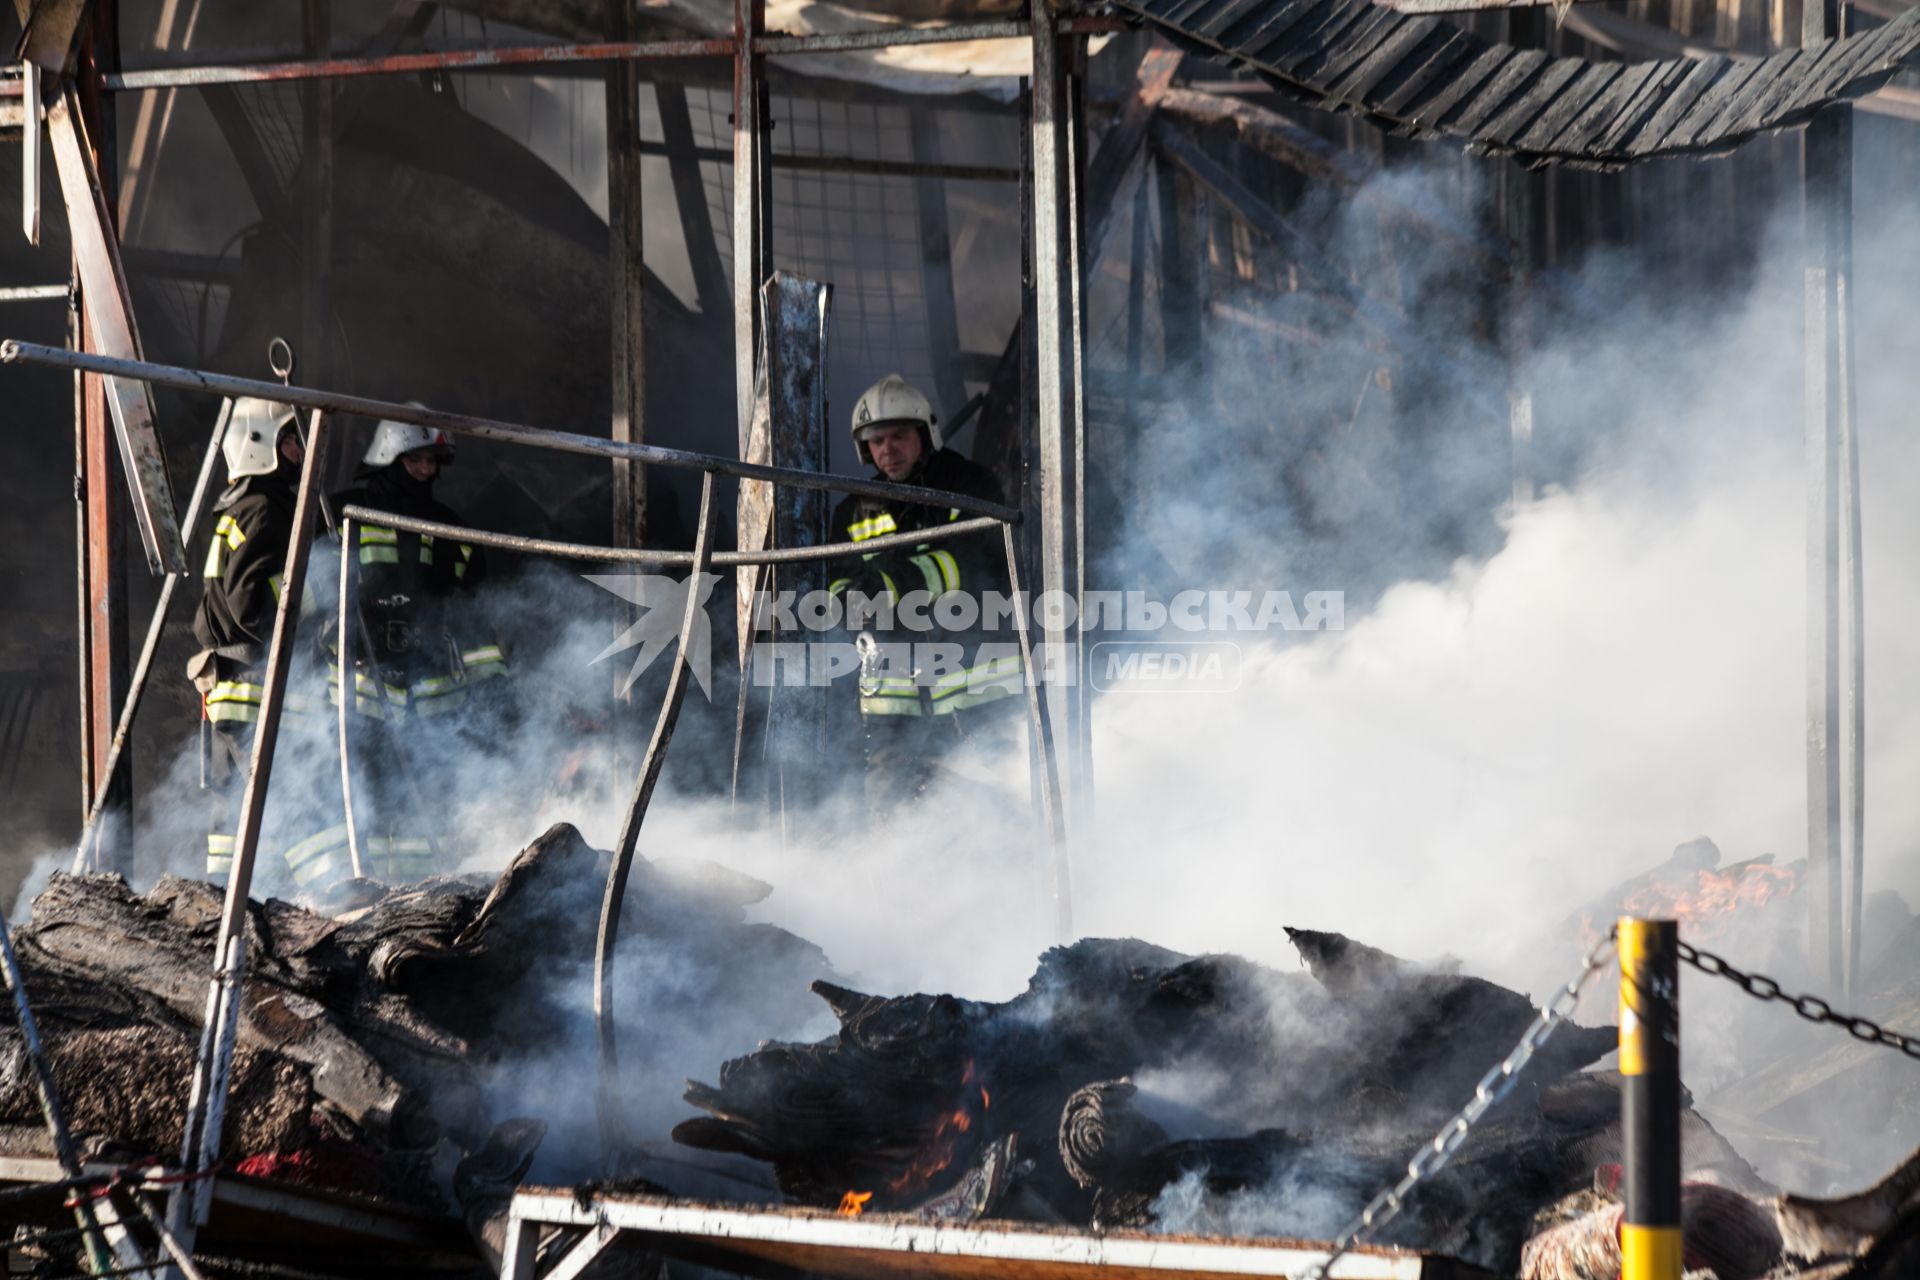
x: 1193, y: 22
x: 1515, y: 78
x: 1411, y: 46
x: 1183, y: 12
x: 1710, y: 105
x: 1606, y: 108
x: 1626, y: 126
x: 1352, y: 46
x: 1450, y: 92
x: 1254, y: 24
x: 1593, y: 81
x: 1392, y: 42
x: 1275, y: 38
x: 1857, y: 59
x: 1676, y: 103
x: 1739, y: 109
x: 1455, y: 58
x: 1273, y: 24
x: 1812, y: 70
x: 1539, y: 99
x: 1219, y: 20
x: 1777, y: 101
x: 1305, y: 51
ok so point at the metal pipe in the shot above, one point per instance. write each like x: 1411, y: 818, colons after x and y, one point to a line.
x: 408, y: 63
x: 344, y: 715
x: 612, y: 1120
x: 137, y: 686
x: 13, y: 351
x: 1049, y: 772
x: 1650, y: 1241
x: 205, y: 1104
x: 667, y: 559
x: 545, y: 55
x: 986, y: 29
x: 33, y: 293
x: 99, y: 1255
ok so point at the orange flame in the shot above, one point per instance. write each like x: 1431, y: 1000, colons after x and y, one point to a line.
x: 854, y: 1203
x: 985, y: 1101
x: 1705, y: 902
x: 938, y: 1152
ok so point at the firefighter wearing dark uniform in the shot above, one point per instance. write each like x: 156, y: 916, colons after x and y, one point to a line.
x: 240, y: 588
x: 407, y: 587
x: 914, y: 706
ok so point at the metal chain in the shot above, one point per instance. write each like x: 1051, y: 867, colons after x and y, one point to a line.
x: 1810, y: 1007
x: 1495, y: 1085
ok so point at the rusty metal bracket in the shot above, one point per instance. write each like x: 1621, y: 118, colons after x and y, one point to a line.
x: 103, y: 287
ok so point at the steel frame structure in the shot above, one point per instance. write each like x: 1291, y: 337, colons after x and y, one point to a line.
x: 1050, y: 181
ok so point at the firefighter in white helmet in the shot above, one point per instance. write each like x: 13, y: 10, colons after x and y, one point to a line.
x: 429, y: 658
x: 240, y: 585
x: 923, y: 690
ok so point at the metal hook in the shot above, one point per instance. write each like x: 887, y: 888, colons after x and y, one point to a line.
x: 282, y: 367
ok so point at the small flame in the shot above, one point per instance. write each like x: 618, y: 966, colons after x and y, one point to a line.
x: 854, y: 1203
x: 985, y: 1101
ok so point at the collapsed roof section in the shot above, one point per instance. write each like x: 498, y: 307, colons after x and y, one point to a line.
x: 1424, y: 77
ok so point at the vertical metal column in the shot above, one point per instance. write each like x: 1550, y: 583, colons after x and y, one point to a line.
x: 105, y: 642
x: 1650, y: 1242
x: 316, y: 199
x: 1076, y: 261
x: 626, y: 280
x: 1835, y: 724
x: 751, y: 201
x: 1056, y: 347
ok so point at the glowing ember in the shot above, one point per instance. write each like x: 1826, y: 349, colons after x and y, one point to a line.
x: 854, y: 1203
x: 985, y: 1101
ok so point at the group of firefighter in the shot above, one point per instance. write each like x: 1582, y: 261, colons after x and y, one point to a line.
x: 426, y: 678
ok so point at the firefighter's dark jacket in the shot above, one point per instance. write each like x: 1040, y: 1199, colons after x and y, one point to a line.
x: 972, y: 563
x: 421, y: 568
x: 407, y: 583
x: 241, y: 579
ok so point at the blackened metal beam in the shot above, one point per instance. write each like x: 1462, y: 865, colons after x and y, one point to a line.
x: 751, y: 202
x: 626, y: 273
x: 315, y: 202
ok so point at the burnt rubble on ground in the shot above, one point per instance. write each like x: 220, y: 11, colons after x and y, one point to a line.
x: 430, y: 1047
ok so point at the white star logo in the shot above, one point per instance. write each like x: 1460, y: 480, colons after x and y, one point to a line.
x: 663, y: 606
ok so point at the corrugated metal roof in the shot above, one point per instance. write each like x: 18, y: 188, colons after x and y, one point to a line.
x: 1424, y: 77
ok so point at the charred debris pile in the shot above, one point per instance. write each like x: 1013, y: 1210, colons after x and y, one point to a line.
x: 393, y: 1053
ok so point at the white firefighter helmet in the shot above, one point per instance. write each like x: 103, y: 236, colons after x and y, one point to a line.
x: 251, y: 442
x: 892, y: 399
x: 391, y: 439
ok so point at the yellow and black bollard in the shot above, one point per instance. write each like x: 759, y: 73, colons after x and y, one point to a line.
x: 1650, y: 1245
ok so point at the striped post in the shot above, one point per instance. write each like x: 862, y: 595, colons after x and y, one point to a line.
x: 1650, y: 1245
